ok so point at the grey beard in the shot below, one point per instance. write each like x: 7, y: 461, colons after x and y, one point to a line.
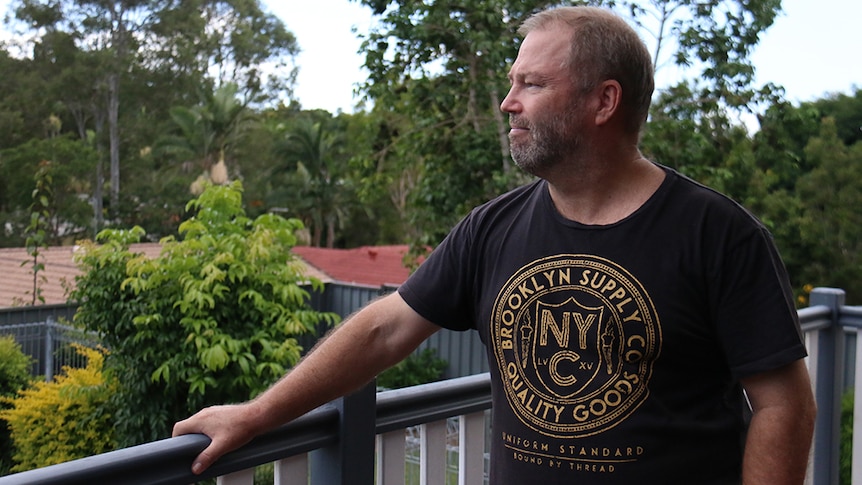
x: 548, y: 145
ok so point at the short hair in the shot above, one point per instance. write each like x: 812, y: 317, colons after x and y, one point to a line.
x: 604, y: 47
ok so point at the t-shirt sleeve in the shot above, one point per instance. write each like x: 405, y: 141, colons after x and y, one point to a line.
x: 442, y: 289
x: 755, y: 316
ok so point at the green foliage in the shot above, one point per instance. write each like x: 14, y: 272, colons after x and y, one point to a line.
x: 417, y: 368
x: 115, y: 93
x: 213, y: 319
x: 437, y: 73
x: 718, y: 36
x: 846, y: 110
x: 681, y: 135
x: 54, y: 422
x: 831, y: 223
x: 317, y: 188
x: 14, y: 377
x: 59, y: 166
x: 14, y: 367
x: 207, y: 134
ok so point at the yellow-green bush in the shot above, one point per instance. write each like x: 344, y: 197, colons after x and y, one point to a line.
x: 54, y: 422
x: 14, y: 376
x: 14, y: 367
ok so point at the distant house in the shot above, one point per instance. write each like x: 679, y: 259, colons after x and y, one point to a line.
x: 16, y: 268
x: 374, y: 266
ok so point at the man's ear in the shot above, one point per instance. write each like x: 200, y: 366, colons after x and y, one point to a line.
x: 609, y: 97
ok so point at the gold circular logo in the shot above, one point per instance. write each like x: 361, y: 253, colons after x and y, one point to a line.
x: 575, y: 338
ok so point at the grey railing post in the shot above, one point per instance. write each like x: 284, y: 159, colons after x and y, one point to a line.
x: 828, y: 383
x: 49, y: 350
x: 351, y: 460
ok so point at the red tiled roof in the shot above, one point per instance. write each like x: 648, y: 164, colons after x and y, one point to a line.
x: 367, y: 265
x: 16, y: 283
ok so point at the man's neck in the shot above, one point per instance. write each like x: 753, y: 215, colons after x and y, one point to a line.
x: 606, y: 192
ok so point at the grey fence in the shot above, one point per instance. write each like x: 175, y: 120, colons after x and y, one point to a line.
x: 464, y: 352
x: 50, y: 345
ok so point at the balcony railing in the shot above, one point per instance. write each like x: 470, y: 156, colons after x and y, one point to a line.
x: 362, y: 439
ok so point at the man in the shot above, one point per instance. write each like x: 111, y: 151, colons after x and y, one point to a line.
x: 624, y: 307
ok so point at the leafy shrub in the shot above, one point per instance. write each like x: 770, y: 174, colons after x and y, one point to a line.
x: 14, y: 367
x: 14, y: 376
x: 212, y: 319
x: 62, y: 420
x: 417, y: 368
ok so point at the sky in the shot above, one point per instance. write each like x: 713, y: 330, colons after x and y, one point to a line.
x: 812, y: 49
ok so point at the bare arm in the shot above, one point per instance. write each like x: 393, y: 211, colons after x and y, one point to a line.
x: 779, y: 437
x: 379, y: 336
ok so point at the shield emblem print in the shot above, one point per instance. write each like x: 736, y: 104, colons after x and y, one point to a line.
x: 567, y: 346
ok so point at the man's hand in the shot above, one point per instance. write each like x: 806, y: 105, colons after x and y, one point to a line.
x: 229, y: 427
x: 379, y: 336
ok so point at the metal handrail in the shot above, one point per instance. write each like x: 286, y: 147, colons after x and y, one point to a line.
x: 402, y: 408
x: 815, y: 318
x: 168, y: 461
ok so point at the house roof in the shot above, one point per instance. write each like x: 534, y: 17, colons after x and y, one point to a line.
x: 367, y: 265
x: 370, y: 265
x: 58, y: 275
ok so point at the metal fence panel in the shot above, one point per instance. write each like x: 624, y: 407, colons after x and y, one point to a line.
x: 50, y: 345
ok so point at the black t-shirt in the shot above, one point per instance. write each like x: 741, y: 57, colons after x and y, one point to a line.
x: 615, y: 350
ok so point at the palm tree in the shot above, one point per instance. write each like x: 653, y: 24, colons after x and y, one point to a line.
x: 205, y: 134
x: 314, y: 171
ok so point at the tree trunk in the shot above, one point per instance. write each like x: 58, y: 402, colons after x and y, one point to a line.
x: 98, y: 194
x: 120, y: 47
x: 114, y: 139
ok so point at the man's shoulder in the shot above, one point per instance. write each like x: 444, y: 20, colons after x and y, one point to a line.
x: 704, y: 208
x: 513, y: 198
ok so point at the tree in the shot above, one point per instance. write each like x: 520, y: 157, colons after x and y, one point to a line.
x: 846, y: 110
x: 69, y: 214
x: 317, y: 187
x: 437, y: 78
x: 715, y: 38
x: 22, y: 102
x: 680, y: 135
x: 108, y: 29
x: 213, y: 319
x: 206, y: 134
x: 384, y: 186
x: 41, y: 212
x: 176, y: 42
x: 831, y: 222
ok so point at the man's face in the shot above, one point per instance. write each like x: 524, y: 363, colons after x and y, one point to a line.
x: 544, y: 112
